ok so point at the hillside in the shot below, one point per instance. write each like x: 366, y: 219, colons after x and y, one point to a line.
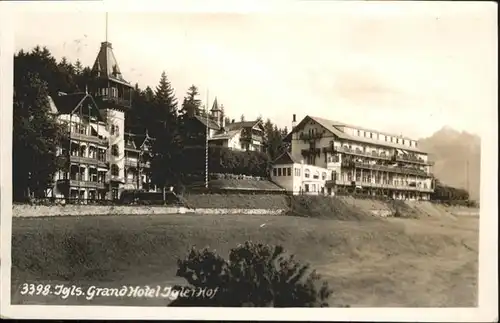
x: 450, y: 150
x: 383, y: 262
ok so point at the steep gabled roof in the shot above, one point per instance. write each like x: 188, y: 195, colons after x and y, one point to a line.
x: 241, y: 125
x: 211, y: 123
x: 225, y: 135
x: 285, y: 159
x: 70, y: 103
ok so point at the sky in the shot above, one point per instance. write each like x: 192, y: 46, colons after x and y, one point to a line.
x: 396, y: 67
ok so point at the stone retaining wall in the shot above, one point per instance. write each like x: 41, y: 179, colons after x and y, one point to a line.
x: 80, y: 210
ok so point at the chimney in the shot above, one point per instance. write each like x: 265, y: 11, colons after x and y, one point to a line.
x: 294, y: 121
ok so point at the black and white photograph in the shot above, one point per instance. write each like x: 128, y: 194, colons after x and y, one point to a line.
x: 330, y: 155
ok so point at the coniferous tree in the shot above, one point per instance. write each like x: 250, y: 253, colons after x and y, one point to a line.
x: 167, y: 160
x: 78, y: 67
x: 36, y: 136
x: 191, y: 107
x: 191, y: 104
x: 274, y: 136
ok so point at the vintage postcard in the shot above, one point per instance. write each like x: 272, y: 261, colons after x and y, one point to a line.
x: 303, y: 160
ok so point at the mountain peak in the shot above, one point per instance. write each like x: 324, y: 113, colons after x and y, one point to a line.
x: 457, y: 156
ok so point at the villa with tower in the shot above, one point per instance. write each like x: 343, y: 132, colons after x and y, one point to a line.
x: 224, y: 132
x: 102, y: 158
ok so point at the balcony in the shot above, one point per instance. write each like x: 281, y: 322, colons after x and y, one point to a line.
x: 84, y: 184
x: 311, y: 152
x: 363, y: 154
x: 131, y: 162
x: 413, y: 159
x: 88, y: 161
x: 251, y: 137
x: 310, y: 136
x: 115, y: 101
x: 115, y: 178
x: 385, y: 186
x: 399, y: 170
x: 91, y: 139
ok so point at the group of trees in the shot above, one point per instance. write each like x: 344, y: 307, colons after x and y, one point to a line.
x: 446, y: 193
x: 37, y: 134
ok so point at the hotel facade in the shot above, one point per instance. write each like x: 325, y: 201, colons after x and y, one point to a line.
x: 328, y: 156
x: 102, y: 159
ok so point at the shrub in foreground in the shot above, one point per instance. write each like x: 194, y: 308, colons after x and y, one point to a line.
x: 255, y: 275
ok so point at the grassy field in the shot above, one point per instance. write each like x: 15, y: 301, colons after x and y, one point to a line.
x: 383, y: 262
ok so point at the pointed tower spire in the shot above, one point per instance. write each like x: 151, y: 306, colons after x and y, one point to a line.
x: 215, y: 105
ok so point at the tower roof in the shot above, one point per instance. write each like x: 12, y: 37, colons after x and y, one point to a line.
x: 106, y: 66
x: 215, y: 105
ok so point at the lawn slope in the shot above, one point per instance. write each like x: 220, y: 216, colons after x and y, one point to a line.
x: 393, y: 262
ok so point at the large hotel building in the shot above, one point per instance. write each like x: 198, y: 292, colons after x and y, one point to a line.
x: 328, y: 156
x: 104, y: 158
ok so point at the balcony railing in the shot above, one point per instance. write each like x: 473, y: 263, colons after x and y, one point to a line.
x: 310, y: 136
x: 251, y: 138
x: 88, y: 161
x: 131, y: 163
x: 90, y: 139
x: 115, y: 178
x: 374, y: 154
x: 363, y: 154
x: 401, y: 170
x: 85, y: 184
x: 117, y: 101
x: 385, y: 186
x: 413, y: 159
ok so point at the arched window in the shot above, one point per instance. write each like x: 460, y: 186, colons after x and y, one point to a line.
x: 316, y: 175
x: 114, y: 151
x: 115, y: 170
x: 307, y: 173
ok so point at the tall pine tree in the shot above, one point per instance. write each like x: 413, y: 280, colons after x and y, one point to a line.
x: 191, y: 106
x: 167, y: 149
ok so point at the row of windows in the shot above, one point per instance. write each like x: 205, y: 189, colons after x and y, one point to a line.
x: 397, y: 140
x: 84, y: 129
x: 112, y: 92
x: 287, y: 171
